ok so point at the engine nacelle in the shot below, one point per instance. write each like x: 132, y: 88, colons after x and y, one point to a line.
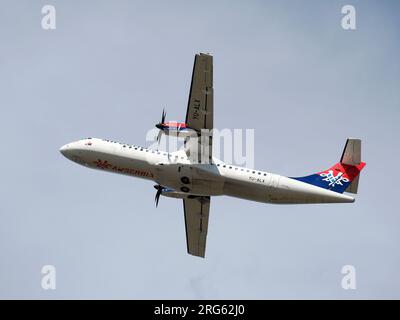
x: 176, y: 129
x: 173, y: 194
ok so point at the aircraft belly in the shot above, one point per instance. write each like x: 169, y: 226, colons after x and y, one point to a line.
x: 192, y: 179
x: 246, y: 190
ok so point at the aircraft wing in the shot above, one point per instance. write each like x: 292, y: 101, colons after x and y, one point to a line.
x: 199, y: 114
x: 196, y: 223
x: 200, y: 110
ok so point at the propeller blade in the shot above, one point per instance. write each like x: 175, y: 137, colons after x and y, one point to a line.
x: 164, y: 114
x: 159, y: 136
x: 158, y: 194
x: 157, y: 197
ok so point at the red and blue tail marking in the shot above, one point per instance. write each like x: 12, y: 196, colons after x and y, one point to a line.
x: 337, y: 178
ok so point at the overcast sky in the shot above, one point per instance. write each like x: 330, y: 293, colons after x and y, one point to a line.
x: 284, y: 68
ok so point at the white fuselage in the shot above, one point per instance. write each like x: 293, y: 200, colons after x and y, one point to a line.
x: 175, y: 171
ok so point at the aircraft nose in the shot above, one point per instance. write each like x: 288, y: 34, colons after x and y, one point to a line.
x: 64, y: 150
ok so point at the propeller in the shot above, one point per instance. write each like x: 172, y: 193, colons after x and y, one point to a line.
x: 159, y: 136
x: 159, y: 189
x: 164, y: 114
x: 159, y: 126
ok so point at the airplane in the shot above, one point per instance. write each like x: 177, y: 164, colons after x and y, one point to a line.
x: 194, y: 175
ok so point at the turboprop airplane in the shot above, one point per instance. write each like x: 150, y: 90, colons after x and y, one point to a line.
x: 194, y: 176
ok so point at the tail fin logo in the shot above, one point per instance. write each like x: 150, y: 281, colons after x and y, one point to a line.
x: 332, y: 179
